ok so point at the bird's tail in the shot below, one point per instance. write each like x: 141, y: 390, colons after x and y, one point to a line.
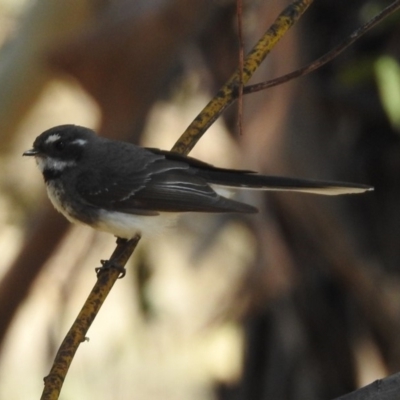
x: 249, y: 180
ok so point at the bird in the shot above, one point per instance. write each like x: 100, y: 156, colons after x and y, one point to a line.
x: 126, y: 190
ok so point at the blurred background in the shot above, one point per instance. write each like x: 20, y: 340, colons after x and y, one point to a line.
x: 300, y: 301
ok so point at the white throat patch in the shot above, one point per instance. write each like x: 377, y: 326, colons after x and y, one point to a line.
x: 48, y: 163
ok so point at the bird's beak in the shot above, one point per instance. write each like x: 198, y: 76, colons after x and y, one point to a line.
x: 31, y: 152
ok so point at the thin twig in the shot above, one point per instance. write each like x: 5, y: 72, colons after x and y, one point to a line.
x: 328, y: 56
x: 239, y: 13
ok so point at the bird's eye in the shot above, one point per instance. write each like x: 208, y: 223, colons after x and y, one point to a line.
x: 59, y: 145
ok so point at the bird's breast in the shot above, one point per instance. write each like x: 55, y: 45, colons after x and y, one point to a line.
x: 59, y: 199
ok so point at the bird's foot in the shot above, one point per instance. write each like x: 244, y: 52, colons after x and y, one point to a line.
x: 106, y: 265
x: 120, y: 241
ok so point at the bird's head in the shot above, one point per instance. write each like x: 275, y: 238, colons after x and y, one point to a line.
x: 60, y: 148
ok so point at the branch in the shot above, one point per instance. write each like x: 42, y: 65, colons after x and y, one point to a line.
x: 77, y: 333
x: 228, y: 93
x: 382, y: 389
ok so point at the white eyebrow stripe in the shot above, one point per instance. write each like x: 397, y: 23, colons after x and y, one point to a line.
x: 81, y: 142
x: 53, y: 138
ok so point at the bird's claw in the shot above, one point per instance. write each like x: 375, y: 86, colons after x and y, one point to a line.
x: 107, y: 264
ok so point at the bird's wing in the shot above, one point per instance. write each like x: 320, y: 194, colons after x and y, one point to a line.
x: 150, y: 186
